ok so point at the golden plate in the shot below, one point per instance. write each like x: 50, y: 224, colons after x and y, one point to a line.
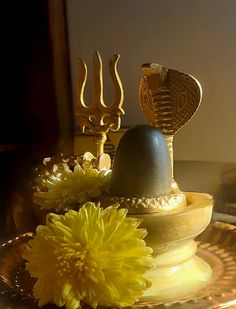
x: 217, y: 246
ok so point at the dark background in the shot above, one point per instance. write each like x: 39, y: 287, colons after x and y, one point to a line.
x: 29, y: 122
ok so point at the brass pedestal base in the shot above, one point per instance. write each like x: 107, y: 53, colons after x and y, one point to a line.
x: 179, y: 272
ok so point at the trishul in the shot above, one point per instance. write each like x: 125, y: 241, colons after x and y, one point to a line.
x: 99, y: 117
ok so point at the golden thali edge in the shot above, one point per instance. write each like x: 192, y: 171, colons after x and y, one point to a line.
x: 216, y: 245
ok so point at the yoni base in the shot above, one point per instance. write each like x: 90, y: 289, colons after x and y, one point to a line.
x: 179, y: 274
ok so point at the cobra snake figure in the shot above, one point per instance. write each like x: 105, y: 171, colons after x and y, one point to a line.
x: 168, y: 99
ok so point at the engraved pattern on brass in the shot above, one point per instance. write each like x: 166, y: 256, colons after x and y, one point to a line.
x: 99, y: 117
x: 168, y: 98
x: 171, y: 202
x: 216, y: 245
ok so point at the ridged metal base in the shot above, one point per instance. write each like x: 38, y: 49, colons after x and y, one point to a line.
x: 217, y: 246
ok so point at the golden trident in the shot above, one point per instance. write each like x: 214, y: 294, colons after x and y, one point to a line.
x: 99, y: 117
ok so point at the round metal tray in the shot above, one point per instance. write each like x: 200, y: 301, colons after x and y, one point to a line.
x: 217, y: 246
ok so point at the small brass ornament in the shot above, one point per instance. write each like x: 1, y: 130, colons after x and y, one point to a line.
x: 168, y: 99
x: 99, y: 117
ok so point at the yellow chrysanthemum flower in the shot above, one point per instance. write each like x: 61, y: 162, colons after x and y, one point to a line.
x: 97, y: 256
x: 73, y: 188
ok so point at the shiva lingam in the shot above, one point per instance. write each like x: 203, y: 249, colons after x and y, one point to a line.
x: 143, y: 182
x: 142, y: 173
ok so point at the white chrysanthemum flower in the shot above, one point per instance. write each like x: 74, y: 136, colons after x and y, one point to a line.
x: 73, y: 188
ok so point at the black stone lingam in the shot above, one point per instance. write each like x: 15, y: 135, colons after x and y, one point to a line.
x: 142, y: 165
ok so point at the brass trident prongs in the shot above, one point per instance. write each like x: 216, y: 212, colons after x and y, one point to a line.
x: 99, y: 117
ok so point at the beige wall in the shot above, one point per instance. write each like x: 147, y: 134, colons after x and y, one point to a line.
x: 197, y: 37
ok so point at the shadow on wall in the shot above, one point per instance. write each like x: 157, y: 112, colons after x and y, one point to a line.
x: 215, y: 178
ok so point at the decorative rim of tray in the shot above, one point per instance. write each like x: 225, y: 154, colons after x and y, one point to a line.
x: 217, y: 245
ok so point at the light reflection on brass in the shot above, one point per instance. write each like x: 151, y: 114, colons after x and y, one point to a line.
x: 99, y: 117
x: 168, y: 99
x: 217, y: 245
